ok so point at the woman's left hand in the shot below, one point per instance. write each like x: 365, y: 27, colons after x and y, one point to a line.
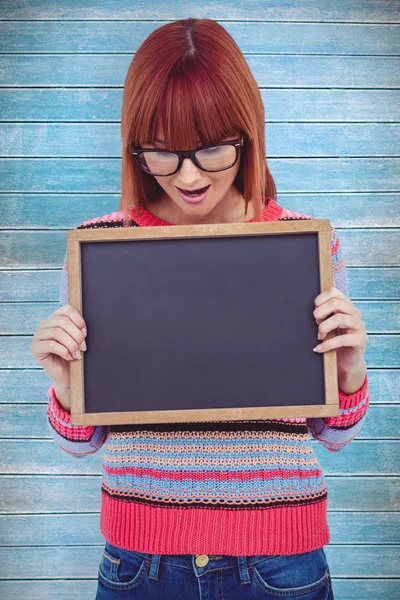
x: 352, y: 337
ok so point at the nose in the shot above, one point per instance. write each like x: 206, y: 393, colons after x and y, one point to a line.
x: 189, y: 173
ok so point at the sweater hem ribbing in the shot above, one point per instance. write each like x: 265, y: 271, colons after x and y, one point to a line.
x: 241, y: 532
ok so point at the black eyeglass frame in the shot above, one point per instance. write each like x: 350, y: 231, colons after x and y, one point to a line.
x: 237, y: 143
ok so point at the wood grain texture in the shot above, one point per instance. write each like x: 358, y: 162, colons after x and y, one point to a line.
x: 44, y: 494
x: 109, y: 70
x: 80, y: 562
x: 83, y: 529
x: 88, y: 175
x: 298, y: 140
x: 28, y: 421
x: 26, y: 249
x: 43, y: 457
x: 52, y: 37
x: 65, y: 211
x: 328, y: 78
x: 288, y: 105
x: 27, y: 386
x: 343, y: 11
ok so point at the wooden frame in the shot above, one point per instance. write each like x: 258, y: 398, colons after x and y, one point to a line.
x: 79, y: 237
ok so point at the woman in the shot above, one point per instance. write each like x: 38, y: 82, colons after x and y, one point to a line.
x: 233, y: 509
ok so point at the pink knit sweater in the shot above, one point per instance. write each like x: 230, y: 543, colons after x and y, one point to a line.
x: 225, y: 487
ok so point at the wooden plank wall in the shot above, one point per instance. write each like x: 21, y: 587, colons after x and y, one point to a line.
x: 329, y: 78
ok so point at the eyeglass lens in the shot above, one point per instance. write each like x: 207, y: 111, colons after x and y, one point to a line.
x: 212, y: 159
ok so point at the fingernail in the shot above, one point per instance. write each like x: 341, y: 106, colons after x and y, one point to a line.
x: 84, y: 331
x: 317, y: 348
x: 319, y: 335
x: 78, y: 354
x: 83, y: 346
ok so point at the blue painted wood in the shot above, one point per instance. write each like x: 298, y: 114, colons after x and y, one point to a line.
x: 24, y: 318
x: 126, y: 36
x: 343, y: 11
x: 284, y: 140
x: 328, y: 77
x: 66, y: 211
x: 286, y: 105
x: 29, y: 385
x: 88, y: 175
x: 362, y: 494
x: 59, y: 562
x: 67, y: 589
x: 383, y: 351
x: 36, y: 494
x: 83, y: 529
x: 25, y: 421
x: 268, y: 70
x: 23, y: 249
x: 361, y: 457
x: 42, y: 286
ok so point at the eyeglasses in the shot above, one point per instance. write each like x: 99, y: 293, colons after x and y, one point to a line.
x: 212, y: 158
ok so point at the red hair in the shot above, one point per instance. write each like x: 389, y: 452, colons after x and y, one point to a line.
x: 191, y: 77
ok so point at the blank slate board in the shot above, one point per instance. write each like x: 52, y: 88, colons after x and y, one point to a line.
x: 201, y: 322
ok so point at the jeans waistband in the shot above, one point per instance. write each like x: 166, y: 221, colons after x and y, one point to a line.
x: 215, y: 562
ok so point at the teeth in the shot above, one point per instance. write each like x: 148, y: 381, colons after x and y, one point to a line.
x: 194, y: 191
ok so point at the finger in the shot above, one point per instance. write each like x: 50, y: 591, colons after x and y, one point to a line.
x: 62, y: 330
x: 53, y: 347
x: 347, y: 339
x: 335, y: 305
x: 338, y: 320
x: 73, y: 314
x: 326, y: 295
x: 65, y: 322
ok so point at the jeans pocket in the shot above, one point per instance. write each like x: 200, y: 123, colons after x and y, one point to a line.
x: 295, y: 575
x: 121, y: 569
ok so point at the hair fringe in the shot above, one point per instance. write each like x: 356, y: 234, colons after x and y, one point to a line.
x: 191, y: 77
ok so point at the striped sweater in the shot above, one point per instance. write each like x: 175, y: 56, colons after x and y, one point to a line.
x: 240, y: 487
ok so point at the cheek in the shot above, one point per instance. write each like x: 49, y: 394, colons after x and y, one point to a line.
x: 228, y: 177
x: 164, y: 182
x: 225, y: 178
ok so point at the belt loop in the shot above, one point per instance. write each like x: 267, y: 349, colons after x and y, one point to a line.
x: 155, y: 563
x: 243, y: 570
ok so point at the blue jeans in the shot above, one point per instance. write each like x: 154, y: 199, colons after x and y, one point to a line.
x: 127, y: 575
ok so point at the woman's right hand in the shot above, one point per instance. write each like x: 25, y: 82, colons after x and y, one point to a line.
x: 56, y: 342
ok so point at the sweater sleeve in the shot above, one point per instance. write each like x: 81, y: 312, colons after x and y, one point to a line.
x: 334, y: 433
x: 78, y: 440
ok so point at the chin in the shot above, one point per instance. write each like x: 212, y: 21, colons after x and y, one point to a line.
x: 200, y: 209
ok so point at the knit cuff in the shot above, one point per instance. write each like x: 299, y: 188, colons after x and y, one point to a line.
x: 57, y: 409
x: 61, y: 421
x: 354, y: 399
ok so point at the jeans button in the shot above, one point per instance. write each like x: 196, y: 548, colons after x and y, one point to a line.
x: 201, y: 560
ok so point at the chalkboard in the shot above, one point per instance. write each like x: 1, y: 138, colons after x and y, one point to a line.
x: 201, y: 322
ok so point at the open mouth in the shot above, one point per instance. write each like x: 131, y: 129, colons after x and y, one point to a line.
x: 197, y: 192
